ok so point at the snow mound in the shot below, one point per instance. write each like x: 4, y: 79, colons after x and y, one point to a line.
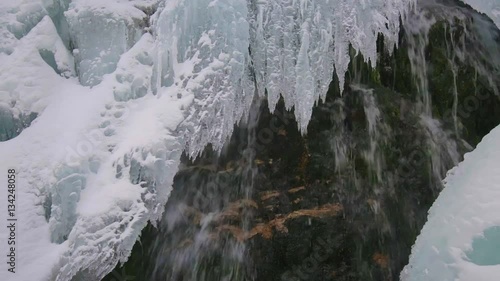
x: 461, y: 238
x: 30, y: 76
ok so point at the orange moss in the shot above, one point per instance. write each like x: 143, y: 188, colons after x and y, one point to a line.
x: 191, y: 213
x: 269, y: 194
x: 266, y: 229
x: 185, y: 243
x: 381, y: 260
x: 296, y: 189
x: 233, y: 210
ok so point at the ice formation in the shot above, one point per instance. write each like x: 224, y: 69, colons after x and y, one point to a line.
x: 295, y: 45
x: 114, y: 107
x: 460, y: 240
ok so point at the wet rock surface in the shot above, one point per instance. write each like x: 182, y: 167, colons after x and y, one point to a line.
x: 347, y: 200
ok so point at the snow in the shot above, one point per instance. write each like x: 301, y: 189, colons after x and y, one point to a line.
x: 115, y: 107
x: 30, y: 92
x: 16, y: 20
x: 88, y: 207
x: 460, y: 240
x: 39, y: 149
x: 55, y: 155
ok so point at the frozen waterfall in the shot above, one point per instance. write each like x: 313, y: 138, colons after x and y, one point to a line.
x: 100, y: 99
x: 96, y: 119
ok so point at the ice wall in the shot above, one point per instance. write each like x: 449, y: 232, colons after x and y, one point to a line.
x: 202, y: 49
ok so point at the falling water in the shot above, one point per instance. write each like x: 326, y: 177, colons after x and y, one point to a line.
x: 206, y: 224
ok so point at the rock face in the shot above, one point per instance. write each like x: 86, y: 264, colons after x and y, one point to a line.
x: 347, y: 200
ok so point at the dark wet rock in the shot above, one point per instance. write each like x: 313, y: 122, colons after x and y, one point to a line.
x: 13, y: 123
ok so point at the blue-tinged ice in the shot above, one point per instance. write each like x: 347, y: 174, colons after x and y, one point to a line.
x: 30, y: 74
x: 101, y: 31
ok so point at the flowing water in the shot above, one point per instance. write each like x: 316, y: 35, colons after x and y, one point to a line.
x: 347, y: 200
